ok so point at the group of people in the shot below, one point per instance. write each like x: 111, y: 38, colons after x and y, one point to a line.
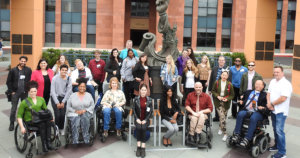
x: 72, y: 94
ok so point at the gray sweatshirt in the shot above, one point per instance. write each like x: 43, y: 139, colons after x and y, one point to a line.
x: 60, y: 87
x: 126, y: 70
x: 74, y: 103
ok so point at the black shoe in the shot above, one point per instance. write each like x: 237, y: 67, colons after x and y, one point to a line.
x: 190, y: 138
x: 49, y: 145
x: 44, y: 146
x: 215, y: 119
x: 195, y: 138
x: 143, y: 152
x: 198, y: 138
x: 138, y: 151
x: 11, y: 126
x: 273, y: 148
x: 235, y: 138
x: 165, y: 144
x: 244, y: 142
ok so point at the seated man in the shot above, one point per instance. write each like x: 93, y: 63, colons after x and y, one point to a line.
x: 198, y: 105
x: 254, y: 101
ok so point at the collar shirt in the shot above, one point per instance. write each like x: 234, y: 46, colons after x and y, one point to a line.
x: 204, y: 101
x: 250, y: 78
x: 237, y: 75
x: 277, y: 89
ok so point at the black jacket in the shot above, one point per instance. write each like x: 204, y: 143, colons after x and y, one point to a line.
x: 213, y: 75
x: 13, y: 78
x: 113, y: 66
x: 262, y: 101
x: 139, y: 72
x: 165, y: 112
x: 137, y: 108
x: 183, y: 81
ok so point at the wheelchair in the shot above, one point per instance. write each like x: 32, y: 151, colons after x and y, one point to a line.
x: 32, y: 132
x: 92, y: 131
x: 261, y: 139
x: 204, y: 143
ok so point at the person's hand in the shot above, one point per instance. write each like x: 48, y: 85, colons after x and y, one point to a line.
x: 58, y: 106
x: 181, y: 90
x: 200, y: 112
x: 132, y: 67
x: 143, y: 122
x: 224, y: 99
x: 270, y: 107
x: 220, y: 98
x: 196, y: 114
x: 209, y: 92
x: 206, y: 84
x: 138, y: 79
x: 115, y: 72
x: 62, y: 105
x: 123, y: 79
x: 261, y: 107
x: 173, y: 121
x: 13, y: 93
x: 139, y: 121
x: 241, y: 102
x: 150, y: 82
x: 173, y: 80
x: 242, y: 96
x: 23, y: 130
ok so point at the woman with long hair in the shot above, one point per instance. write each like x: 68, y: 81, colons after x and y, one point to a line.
x: 113, y: 66
x: 169, y: 73
x: 181, y: 61
x: 189, y: 78
x: 169, y: 110
x: 61, y: 61
x: 141, y: 75
x: 204, y: 72
x: 192, y: 55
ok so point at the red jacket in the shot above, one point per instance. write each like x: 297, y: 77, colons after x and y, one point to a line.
x: 97, y: 69
x: 204, y: 101
x: 38, y: 77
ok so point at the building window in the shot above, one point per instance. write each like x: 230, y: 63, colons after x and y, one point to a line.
x: 278, y: 24
x: 140, y: 8
x: 207, y: 23
x: 226, y: 23
x: 188, y: 22
x: 5, y: 20
x: 290, y: 25
x: 50, y: 23
x: 71, y: 23
x: 91, y: 24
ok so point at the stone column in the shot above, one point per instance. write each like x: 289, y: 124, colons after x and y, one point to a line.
x: 284, y: 17
x: 219, y: 26
x: 118, y: 24
x: 83, y: 24
x: 260, y: 34
x: 127, y: 21
x: 57, y: 23
x: 104, y: 24
x: 195, y: 24
x: 27, y: 30
x: 296, y: 56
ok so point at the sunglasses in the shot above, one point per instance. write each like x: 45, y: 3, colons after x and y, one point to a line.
x: 251, y: 65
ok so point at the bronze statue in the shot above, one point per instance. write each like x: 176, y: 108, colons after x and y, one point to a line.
x: 169, y: 44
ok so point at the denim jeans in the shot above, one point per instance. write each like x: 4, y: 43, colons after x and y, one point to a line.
x: 106, y: 117
x: 172, y: 128
x: 255, y: 117
x: 89, y: 88
x: 82, y: 121
x: 278, y: 121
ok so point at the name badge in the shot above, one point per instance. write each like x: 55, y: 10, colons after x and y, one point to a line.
x: 22, y: 77
x: 148, y: 109
x: 242, y: 70
x: 98, y: 65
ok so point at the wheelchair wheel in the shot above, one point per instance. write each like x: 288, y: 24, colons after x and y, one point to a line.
x: 209, y: 144
x: 20, y: 139
x: 255, y: 151
x: 263, y: 144
x: 229, y: 142
x: 54, y: 132
x: 210, y: 134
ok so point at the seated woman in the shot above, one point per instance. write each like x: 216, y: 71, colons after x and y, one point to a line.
x: 142, y: 110
x: 80, y: 108
x: 256, y: 102
x: 113, y: 99
x: 24, y: 114
x: 169, y: 110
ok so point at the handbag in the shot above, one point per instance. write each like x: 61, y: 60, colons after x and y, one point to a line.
x: 179, y: 119
x: 42, y: 115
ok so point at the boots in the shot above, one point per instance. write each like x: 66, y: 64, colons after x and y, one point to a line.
x: 11, y: 126
x: 49, y: 145
x: 138, y: 151
x: 143, y: 152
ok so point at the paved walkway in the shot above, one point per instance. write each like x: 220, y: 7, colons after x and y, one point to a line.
x: 115, y: 148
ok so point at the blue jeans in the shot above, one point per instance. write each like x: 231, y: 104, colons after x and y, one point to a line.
x: 89, y: 88
x: 106, y: 117
x: 255, y: 117
x: 82, y: 121
x: 278, y: 121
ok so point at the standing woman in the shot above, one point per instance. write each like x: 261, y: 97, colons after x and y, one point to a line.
x: 192, y: 55
x: 142, y: 111
x: 204, y: 72
x: 127, y: 77
x: 114, y: 65
x: 223, y: 93
x: 43, y: 76
x: 61, y: 61
x: 141, y: 75
x: 169, y: 73
x: 189, y: 78
x: 181, y: 61
x: 169, y: 110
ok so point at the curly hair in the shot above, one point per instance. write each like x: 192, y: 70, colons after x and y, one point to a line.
x: 31, y: 84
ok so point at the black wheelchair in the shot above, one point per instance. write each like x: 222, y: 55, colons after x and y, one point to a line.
x: 203, y: 143
x: 261, y: 139
x: 92, y: 132
x: 32, y: 132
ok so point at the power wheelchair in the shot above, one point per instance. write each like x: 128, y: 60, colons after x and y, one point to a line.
x: 32, y: 132
x: 260, y: 141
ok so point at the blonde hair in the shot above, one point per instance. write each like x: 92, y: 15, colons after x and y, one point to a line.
x: 193, y: 68
x: 58, y: 64
x: 171, y: 67
x: 77, y: 60
x: 113, y: 79
x: 207, y: 62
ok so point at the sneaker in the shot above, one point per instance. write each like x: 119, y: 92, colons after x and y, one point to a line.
x: 220, y: 132
x: 235, y: 138
x: 273, y: 148
x: 244, y: 142
x: 105, y: 133
x: 62, y: 132
x: 224, y: 137
x: 277, y: 155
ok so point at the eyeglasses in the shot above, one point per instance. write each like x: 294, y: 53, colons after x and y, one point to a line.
x: 251, y: 65
x: 237, y: 61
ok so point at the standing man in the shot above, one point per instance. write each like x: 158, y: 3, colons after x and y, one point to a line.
x: 237, y: 72
x: 215, y: 76
x: 97, y: 68
x: 16, y: 81
x: 249, y: 79
x: 278, y: 100
x: 123, y: 53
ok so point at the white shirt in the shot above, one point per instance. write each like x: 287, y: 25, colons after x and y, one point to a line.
x: 223, y: 84
x: 190, y: 79
x: 250, y: 77
x: 283, y: 87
